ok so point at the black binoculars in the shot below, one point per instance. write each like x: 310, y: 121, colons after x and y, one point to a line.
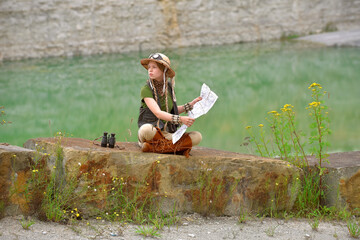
x: 108, y: 140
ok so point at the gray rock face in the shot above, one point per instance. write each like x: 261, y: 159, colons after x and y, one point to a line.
x: 350, y: 38
x: 31, y: 29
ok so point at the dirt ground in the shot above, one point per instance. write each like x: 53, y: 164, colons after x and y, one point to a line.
x: 190, y: 227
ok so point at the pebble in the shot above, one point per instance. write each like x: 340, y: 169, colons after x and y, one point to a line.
x: 191, y: 235
x: 44, y: 232
x: 185, y: 224
x: 307, y: 236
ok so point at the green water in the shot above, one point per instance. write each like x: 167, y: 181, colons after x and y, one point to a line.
x: 85, y: 96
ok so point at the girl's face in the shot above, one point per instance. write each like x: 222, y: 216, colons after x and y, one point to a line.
x: 154, y: 71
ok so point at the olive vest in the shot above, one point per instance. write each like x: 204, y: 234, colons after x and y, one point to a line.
x: 147, y: 116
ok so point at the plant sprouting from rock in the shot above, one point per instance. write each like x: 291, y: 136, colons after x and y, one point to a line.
x: 3, y: 121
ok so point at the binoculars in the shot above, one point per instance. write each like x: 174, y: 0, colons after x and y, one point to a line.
x: 108, y: 140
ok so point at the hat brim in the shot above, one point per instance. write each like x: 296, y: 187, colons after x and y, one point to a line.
x: 145, y: 62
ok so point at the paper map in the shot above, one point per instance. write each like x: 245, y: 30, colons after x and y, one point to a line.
x: 200, y: 108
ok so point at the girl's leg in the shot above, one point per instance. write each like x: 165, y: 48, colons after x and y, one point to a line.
x: 146, y: 133
x: 196, y: 137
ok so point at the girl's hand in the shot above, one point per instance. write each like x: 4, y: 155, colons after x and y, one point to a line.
x: 188, y: 121
x: 195, y: 101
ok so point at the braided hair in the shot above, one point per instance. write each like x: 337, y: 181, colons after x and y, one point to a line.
x: 161, y: 86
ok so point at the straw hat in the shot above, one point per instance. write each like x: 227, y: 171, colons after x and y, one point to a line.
x: 160, y: 58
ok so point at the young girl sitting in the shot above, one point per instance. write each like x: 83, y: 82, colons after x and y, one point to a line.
x: 159, y: 114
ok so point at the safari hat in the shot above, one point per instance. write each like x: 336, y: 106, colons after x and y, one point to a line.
x: 160, y: 58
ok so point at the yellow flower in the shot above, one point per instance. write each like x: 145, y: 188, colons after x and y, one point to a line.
x: 14, y: 155
x: 276, y: 184
x: 248, y: 127
x: 35, y: 170
x: 287, y: 107
x: 314, y: 104
x: 273, y: 112
x: 54, y: 167
x: 314, y: 85
x: 261, y: 125
x: 77, y: 215
x: 75, y: 209
x: 64, y: 211
x: 158, y: 161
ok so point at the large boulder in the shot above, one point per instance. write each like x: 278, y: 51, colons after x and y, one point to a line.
x: 209, y: 182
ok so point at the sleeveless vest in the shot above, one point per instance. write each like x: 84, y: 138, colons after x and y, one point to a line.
x: 147, y: 116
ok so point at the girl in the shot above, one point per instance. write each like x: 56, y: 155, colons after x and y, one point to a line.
x: 159, y: 114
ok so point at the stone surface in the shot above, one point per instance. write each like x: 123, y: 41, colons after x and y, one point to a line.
x: 66, y: 28
x: 350, y: 38
x: 14, y: 172
x: 209, y: 182
x: 342, y: 179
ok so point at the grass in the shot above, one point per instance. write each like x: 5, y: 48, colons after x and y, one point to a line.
x: 148, y: 231
x: 354, y: 228
x: 271, y: 230
x: 26, y: 224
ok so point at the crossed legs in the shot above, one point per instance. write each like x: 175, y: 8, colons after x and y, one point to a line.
x: 147, y: 132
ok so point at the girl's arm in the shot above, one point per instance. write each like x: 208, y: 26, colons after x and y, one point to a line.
x: 181, y: 108
x: 155, y: 109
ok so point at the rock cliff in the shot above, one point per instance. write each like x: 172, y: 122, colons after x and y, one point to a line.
x: 32, y: 29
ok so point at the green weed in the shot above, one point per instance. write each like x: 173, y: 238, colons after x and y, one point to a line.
x: 354, y: 228
x: 243, y: 216
x: 3, y: 121
x: 26, y: 224
x: 147, y: 231
x: 271, y: 230
x: 2, y: 208
x: 314, y: 223
x: 289, y: 145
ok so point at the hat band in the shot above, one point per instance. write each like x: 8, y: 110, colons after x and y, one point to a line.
x: 157, y: 56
